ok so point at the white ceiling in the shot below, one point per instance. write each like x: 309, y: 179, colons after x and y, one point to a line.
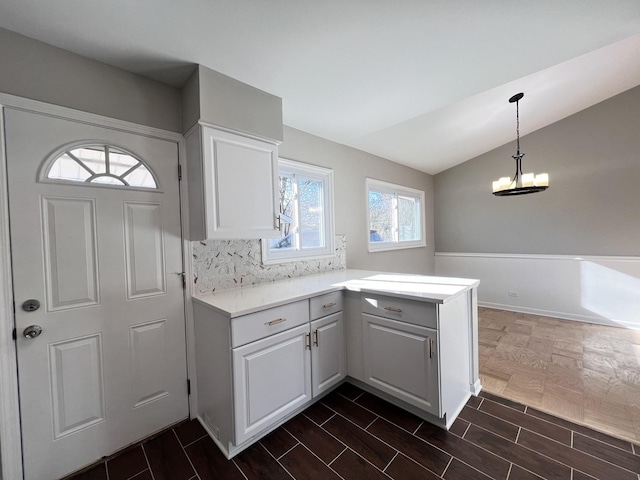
x: 424, y: 83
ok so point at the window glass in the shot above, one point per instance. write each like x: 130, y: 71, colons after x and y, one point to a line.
x: 306, y: 214
x: 67, y: 168
x: 101, y: 164
x: 395, y: 216
x: 311, y: 213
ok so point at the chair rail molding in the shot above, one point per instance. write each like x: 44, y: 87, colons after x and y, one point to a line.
x: 590, y: 288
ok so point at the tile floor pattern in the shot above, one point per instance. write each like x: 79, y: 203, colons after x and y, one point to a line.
x: 353, y: 435
x: 586, y: 373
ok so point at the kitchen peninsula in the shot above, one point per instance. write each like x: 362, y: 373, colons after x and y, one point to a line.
x: 265, y: 352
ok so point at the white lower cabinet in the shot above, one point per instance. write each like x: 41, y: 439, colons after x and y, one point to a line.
x: 402, y: 360
x: 254, y: 370
x: 328, y: 355
x: 271, y: 377
x: 411, y: 353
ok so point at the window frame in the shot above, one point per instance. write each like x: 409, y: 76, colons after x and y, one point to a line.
x: 312, y: 172
x: 380, y: 186
x: 48, y: 164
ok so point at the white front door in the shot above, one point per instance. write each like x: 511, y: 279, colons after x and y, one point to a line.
x: 101, y: 253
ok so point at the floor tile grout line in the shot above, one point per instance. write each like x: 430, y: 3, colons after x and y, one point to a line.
x: 185, y: 452
x: 338, y: 456
x: 369, y: 462
x: 517, y: 435
x: 153, y: 477
x: 417, y: 428
x: 509, y: 472
x: 192, y: 442
x: 374, y: 413
x: 239, y: 469
x: 445, y: 468
x: 533, y: 431
x: 384, y: 470
x: 520, y: 445
x: 308, y: 448
x: 319, y: 424
x: 466, y: 430
x: 278, y: 459
x: 133, y: 477
x: 583, y: 452
x: 322, y: 461
x: 420, y: 439
x: 576, y: 450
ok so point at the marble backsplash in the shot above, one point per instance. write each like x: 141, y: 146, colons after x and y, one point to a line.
x: 222, y: 264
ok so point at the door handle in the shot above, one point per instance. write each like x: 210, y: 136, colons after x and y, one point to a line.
x: 315, y: 337
x: 308, y: 342
x: 32, y: 331
x: 30, y: 305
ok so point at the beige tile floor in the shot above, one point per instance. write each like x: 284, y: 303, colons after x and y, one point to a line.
x: 589, y: 374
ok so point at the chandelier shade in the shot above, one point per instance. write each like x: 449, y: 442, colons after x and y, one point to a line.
x: 520, y: 184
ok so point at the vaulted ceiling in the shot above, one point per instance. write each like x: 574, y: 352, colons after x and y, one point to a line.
x: 424, y: 83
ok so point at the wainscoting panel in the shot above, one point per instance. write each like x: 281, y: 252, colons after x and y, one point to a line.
x: 603, y: 290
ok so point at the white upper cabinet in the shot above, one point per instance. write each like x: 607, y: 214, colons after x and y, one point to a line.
x: 233, y: 185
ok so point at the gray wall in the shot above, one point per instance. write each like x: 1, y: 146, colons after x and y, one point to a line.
x: 35, y: 70
x: 592, y: 206
x: 350, y: 168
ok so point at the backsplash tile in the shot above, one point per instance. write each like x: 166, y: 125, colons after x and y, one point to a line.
x: 222, y: 264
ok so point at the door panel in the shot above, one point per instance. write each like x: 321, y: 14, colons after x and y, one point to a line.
x: 76, y: 366
x: 144, y: 247
x: 109, y: 367
x: 70, y: 252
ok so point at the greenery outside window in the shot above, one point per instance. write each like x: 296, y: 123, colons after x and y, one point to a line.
x: 306, y: 214
x: 395, y: 216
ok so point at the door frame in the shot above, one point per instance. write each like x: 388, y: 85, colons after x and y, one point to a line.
x: 10, y: 430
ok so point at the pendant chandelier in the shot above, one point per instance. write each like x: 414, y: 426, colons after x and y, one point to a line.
x: 520, y: 184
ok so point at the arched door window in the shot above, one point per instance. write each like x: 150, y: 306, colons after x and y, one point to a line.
x: 101, y: 164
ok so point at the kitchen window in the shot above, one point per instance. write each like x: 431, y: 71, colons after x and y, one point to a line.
x: 395, y: 216
x: 306, y: 214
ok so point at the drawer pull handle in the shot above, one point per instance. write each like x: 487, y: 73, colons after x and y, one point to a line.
x: 329, y: 305
x: 393, y: 309
x: 430, y: 347
x: 308, y: 335
x: 275, y: 322
x: 315, y: 337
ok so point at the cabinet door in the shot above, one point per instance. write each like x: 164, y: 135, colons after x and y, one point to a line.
x: 240, y: 186
x: 271, y: 378
x: 402, y: 360
x: 328, y: 356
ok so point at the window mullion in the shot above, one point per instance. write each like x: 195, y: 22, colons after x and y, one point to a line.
x: 394, y: 218
x: 296, y: 212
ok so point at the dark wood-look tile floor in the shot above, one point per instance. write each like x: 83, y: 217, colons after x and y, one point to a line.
x: 352, y: 435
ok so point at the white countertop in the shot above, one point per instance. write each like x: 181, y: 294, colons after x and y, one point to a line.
x: 243, y: 300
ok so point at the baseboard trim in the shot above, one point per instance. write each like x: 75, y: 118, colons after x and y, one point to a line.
x: 562, y: 315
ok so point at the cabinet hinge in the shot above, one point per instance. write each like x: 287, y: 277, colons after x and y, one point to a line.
x: 14, y: 334
x: 188, y: 387
x: 179, y: 172
x: 184, y: 280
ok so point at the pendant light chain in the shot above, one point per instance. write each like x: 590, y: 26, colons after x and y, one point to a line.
x: 518, y: 127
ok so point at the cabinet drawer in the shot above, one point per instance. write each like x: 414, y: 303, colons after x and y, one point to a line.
x: 401, y: 309
x: 326, y: 304
x: 264, y: 323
